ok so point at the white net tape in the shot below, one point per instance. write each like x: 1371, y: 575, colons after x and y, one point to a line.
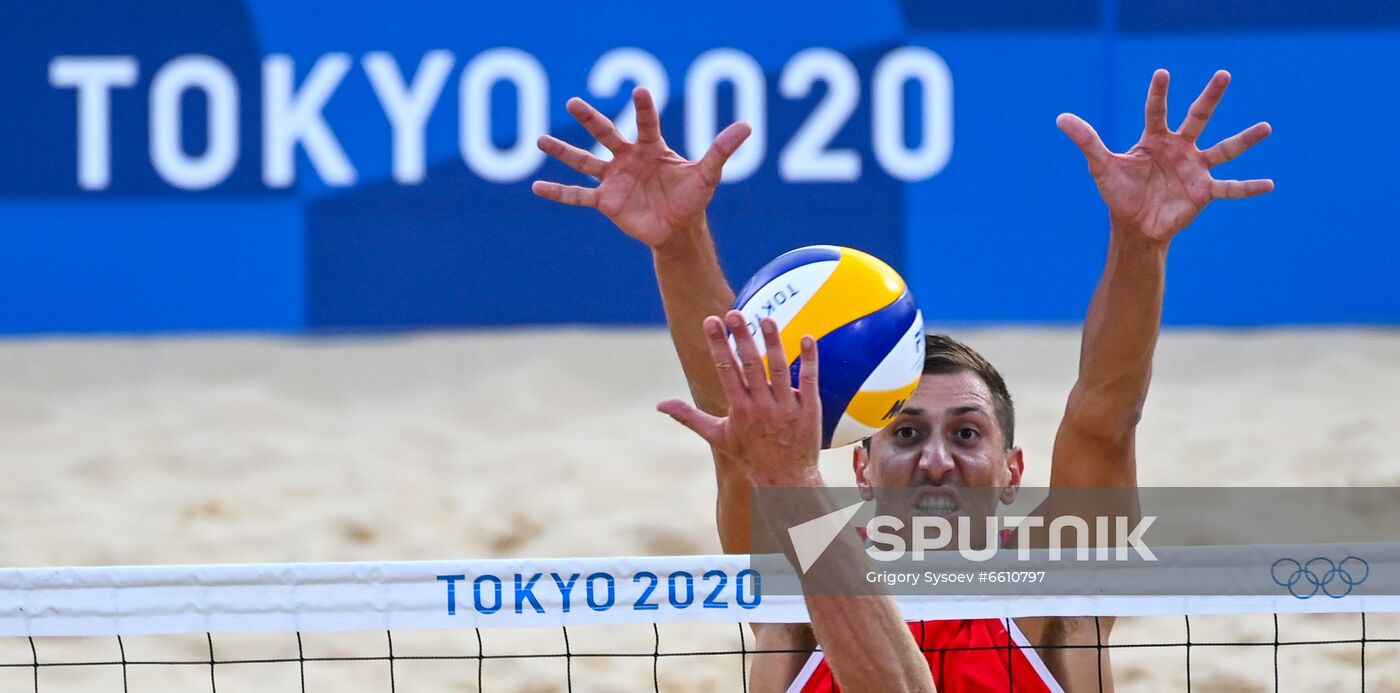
x: 629, y: 623
x: 417, y: 595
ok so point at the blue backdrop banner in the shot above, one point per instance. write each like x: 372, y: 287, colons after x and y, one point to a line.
x: 259, y: 165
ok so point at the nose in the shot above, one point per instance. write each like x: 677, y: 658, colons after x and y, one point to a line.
x: 935, y: 462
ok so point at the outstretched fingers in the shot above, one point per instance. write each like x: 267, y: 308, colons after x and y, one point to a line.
x: 726, y: 365
x: 807, y: 375
x: 1233, y: 146
x: 728, y: 141
x: 1156, y: 110
x: 567, y: 194
x: 1235, y: 189
x: 597, y: 124
x: 1204, y: 106
x: 648, y: 119
x: 707, y: 426
x: 1087, y: 139
x: 778, y: 379
x: 750, y: 360
x: 573, y: 157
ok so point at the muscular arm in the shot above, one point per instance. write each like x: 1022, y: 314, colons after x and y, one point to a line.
x: 693, y: 288
x: 659, y: 198
x: 1094, y: 447
x: 1096, y: 436
x: 773, y: 433
x: 1152, y: 192
x: 865, y: 639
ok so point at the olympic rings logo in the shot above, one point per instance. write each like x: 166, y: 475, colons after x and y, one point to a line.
x: 1305, y: 580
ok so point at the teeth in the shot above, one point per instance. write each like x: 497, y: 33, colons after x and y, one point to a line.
x: 935, y: 505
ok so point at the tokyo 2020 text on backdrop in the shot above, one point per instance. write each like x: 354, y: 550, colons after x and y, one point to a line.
x: 291, y: 166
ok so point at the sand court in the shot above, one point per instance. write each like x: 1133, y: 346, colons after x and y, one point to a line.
x: 533, y: 442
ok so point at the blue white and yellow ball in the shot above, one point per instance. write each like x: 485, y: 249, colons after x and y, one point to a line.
x: 869, y: 332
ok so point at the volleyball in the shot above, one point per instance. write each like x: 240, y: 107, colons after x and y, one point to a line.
x: 869, y: 332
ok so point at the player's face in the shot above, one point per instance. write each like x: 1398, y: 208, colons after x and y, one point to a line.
x: 946, y: 446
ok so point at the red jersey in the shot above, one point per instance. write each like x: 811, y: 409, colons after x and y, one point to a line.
x: 973, y: 656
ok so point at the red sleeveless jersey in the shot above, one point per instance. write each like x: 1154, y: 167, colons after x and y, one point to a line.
x: 972, y: 656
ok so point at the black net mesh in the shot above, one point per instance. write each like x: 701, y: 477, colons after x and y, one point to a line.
x: 1279, y: 652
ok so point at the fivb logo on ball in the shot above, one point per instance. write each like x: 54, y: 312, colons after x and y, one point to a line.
x: 869, y: 332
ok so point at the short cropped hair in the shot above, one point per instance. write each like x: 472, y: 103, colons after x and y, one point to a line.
x: 943, y: 354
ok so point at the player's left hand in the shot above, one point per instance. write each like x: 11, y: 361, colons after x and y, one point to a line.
x: 773, y: 430
x: 1159, y: 185
x: 648, y: 190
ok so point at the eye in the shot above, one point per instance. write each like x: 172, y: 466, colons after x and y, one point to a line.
x: 906, y: 433
x: 967, y: 433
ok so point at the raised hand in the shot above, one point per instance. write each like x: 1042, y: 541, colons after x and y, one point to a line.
x: 1162, y: 183
x: 773, y: 430
x: 648, y: 190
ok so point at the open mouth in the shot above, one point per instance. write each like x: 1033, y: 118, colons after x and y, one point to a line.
x: 936, y: 503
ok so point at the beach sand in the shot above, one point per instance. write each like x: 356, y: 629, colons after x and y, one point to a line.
x: 545, y: 443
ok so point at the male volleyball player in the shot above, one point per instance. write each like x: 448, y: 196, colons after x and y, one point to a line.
x: 957, y: 429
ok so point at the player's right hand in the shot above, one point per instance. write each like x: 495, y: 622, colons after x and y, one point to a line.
x: 773, y: 430
x: 652, y: 193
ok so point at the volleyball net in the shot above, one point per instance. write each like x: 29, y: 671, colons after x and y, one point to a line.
x: 633, y: 623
